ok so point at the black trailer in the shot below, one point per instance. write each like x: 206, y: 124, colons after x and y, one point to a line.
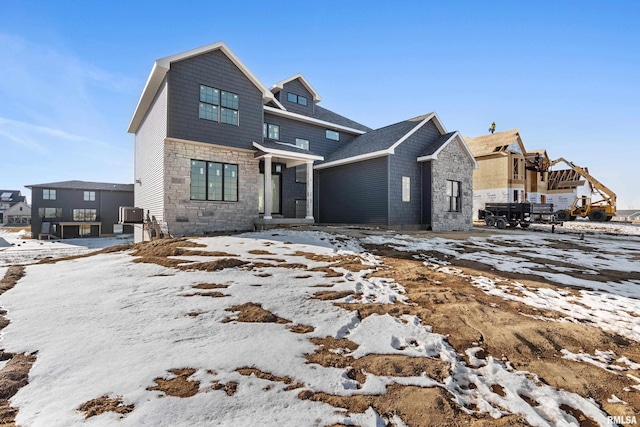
x: 502, y: 215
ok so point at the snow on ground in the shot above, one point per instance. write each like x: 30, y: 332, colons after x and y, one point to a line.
x: 18, y: 248
x: 105, y: 325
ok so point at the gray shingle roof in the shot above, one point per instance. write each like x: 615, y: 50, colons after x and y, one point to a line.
x: 84, y: 185
x: 286, y: 147
x: 436, y: 144
x: 331, y: 117
x: 376, y: 140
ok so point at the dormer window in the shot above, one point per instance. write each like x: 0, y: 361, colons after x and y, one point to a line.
x: 297, y: 99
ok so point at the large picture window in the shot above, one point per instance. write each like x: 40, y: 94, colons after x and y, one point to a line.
x: 85, y: 214
x: 214, y: 181
x: 454, y: 196
x: 50, y: 212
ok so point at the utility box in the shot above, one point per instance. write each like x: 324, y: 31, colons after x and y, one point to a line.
x: 129, y: 215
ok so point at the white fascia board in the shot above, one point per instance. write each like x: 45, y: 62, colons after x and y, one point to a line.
x: 301, y: 118
x: 287, y: 154
x: 434, y: 156
x: 280, y: 85
x: 161, y: 67
x: 411, y: 132
x: 354, y: 159
x: 154, y: 81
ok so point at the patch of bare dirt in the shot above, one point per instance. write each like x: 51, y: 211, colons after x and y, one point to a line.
x: 13, y: 376
x: 416, y: 406
x: 207, y: 294
x: 104, y: 404
x: 254, y: 313
x: 301, y: 329
x: 471, y: 318
x: 210, y: 286
x: 331, y: 295
x: 179, y: 385
x: 230, y: 388
x: 270, y: 377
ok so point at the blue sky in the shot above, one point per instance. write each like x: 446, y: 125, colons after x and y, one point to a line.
x: 566, y: 73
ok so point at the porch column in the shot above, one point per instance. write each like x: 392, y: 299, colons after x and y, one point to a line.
x: 309, y: 189
x: 268, y: 196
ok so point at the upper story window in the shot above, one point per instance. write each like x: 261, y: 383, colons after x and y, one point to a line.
x: 333, y: 135
x: 218, y: 105
x: 89, y: 196
x: 229, y: 108
x: 298, y: 99
x: 271, y: 131
x: 48, y: 194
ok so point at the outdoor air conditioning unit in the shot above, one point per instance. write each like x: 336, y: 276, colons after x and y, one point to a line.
x: 129, y: 215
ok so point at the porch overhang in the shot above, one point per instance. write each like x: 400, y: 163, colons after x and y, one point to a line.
x: 288, y: 154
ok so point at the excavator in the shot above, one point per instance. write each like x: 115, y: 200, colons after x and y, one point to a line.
x: 602, y: 209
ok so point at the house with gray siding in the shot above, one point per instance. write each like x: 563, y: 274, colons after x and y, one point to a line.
x: 216, y: 150
x: 71, y: 209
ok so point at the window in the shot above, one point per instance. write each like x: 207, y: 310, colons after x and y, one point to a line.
x: 48, y: 194
x: 333, y: 135
x: 406, y: 189
x: 89, y: 196
x: 298, y: 99
x: 229, y: 108
x: 209, y: 101
x: 214, y: 181
x: 85, y: 214
x: 301, y: 170
x: 218, y: 105
x: 271, y: 131
x: 50, y: 212
x: 453, y: 196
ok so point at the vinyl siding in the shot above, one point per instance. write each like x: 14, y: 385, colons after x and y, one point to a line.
x: 216, y: 70
x: 149, y: 158
x: 404, y: 163
x: 355, y: 193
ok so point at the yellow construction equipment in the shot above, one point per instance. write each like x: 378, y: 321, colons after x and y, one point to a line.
x: 602, y: 209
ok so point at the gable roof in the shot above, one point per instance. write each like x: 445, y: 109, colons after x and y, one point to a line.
x: 322, y: 117
x: 383, y: 142
x: 12, y: 196
x: 494, y: 143
x: 85, y: 185
x: 161, y: 67
x: 280, y: 85
x: 432, y: 150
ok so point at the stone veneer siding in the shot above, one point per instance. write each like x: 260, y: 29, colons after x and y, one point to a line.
x: 187, y: 217
x: 452, y: 164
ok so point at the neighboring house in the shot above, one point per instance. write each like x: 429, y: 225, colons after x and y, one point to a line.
x: 501, y: 175
x: 565, y: 186
x: 537, y: 177
x: 18, y: 214
x: 71, y: 209
x: 9, y: 198
x: 209, y: 135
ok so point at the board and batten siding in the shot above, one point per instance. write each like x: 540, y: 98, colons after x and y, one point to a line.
x: 149, y: 160
x: 355, y: 193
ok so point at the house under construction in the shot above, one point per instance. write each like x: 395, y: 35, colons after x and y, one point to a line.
x: 508, y: 173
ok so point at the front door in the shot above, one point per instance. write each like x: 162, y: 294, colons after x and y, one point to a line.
x: 275, y: 193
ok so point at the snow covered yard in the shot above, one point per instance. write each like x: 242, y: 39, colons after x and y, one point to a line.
x: 329, y: 327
